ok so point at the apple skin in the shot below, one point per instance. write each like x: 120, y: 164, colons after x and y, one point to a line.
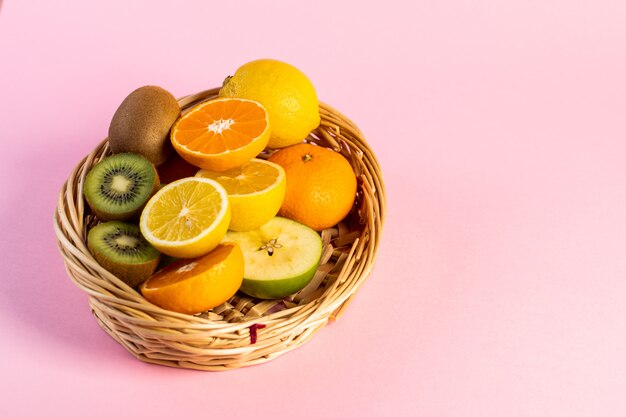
x: 278, y: 288
x: 277, y: 256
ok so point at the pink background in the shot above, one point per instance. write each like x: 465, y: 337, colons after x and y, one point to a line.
x: 500, y: 285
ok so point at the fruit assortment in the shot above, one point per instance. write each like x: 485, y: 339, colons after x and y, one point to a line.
x: 227, y: 196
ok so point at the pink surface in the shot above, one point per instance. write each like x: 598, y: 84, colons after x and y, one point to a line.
x: 499, y: 288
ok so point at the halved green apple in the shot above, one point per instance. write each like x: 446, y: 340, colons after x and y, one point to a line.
x: 280, y: 257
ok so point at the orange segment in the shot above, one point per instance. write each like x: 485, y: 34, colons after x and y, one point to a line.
x: 222, y: 133
x: 192, y: 286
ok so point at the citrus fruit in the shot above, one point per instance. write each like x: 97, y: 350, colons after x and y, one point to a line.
x: 222, y: 133
x: 186, y: 218
x: 255, y: 192
x: 192, y: 286
x: 321, y: 185
x: 286, y: 93
x: 280, y: 257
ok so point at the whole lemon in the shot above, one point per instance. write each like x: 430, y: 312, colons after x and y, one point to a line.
x: 286, y: 93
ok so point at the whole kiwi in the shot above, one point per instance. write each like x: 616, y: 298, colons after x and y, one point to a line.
x: 142, y: 123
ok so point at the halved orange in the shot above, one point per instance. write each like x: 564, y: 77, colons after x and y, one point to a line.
x: 192, y: 286
x: 222, y: 133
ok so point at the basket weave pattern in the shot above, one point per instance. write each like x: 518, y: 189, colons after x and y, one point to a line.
x: 244, y: 331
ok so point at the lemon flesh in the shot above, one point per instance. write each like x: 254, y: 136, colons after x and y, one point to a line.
x: 255, y: 191
x: 186, y: 218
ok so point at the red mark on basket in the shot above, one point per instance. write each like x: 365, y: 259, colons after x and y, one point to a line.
x: 253, y: 330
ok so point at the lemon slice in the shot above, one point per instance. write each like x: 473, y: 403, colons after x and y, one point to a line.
x: 255, y: 191
x: 186, y: 218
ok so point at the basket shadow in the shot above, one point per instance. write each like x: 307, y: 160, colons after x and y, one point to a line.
x: 39, y: 298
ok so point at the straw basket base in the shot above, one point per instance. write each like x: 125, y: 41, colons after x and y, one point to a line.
x: 243, y: 331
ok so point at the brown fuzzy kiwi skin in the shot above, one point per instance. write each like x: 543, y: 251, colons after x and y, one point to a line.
x: 128, y: 216
x: 142, y: 123
x: 131, y: 274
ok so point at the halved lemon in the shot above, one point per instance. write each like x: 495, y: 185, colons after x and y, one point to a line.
x: 186, y: 218
x: 222, y: 133
x: 255, y: 190
x: 192, y: 286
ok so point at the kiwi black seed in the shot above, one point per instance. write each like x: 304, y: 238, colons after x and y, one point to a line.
x: 118, y: 187
x: 121, y: 249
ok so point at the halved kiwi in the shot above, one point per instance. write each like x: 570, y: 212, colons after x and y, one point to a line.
x: 121, y: 249
x: 118, y: 187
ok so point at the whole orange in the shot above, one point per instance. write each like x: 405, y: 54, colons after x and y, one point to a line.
x: 321, y: 185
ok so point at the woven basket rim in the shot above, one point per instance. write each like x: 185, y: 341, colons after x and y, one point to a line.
x: 206, y: 342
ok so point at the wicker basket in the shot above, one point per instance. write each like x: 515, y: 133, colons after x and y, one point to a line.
x: 244, y: 331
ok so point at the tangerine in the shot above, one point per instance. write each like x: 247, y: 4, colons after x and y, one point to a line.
x: 321, y: 185
x: 222, y: 133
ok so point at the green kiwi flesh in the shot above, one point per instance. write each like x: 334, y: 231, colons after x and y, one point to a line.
x: 119, y: 186
x: 121, y: 249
